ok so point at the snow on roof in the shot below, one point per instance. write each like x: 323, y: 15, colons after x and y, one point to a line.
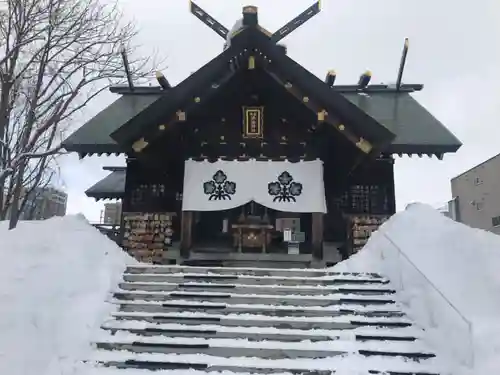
x: 447, y: 277
x: 55, y: 276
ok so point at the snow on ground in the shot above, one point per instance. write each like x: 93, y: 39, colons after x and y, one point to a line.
x: 448, y: 280
x: 55, y: 277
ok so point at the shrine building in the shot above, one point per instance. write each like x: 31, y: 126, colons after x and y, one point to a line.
x: 254, y: 157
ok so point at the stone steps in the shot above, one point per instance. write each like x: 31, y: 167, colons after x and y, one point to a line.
x: 240, y: 271
x: 271, y: 299
x: 268, y: 310
x: 158, y: 286
x: 261, y: 321
x: 252, y: 279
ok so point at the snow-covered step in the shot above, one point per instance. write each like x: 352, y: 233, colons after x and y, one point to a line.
x: 176, y: 368
x: 246, y: 364
x: 278, y: 352
x: 252, y: 279
x: 269, y: 310
x: 410, y: 348
x: 270, y: 321
x: 266, y: 349
x: 214, y: 333
x: 255, y: 320
x: 241, y: 271
x: 253, y: 289
x: 244, y: 298
x: 403, y: 334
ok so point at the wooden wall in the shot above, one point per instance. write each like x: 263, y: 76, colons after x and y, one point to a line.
x: 353, y: 184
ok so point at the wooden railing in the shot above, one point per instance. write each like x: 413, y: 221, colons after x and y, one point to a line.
x: 110, y: 230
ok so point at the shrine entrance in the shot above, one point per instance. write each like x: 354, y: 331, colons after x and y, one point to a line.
x: 253, y: 206
x: 250, y: 228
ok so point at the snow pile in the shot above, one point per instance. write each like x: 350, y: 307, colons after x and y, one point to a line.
x: 448, y: 280
x: 55, y: 277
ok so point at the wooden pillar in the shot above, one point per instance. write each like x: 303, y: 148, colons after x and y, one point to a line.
x: 317, y: 235
x: 392, y: 188
x: 125, y: 201
x: 186, y: 233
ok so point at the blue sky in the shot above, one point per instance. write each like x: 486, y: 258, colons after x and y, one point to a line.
x: 454, y: 52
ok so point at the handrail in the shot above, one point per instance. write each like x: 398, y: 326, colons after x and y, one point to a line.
x: 467, y: 321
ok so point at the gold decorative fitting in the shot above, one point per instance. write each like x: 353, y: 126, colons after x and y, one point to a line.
x: 322, y: 115
x: 305, y: 99
x: 251, y: 62
x: 162, y: 127
x: 341, y: 127
x: 181, y: 115
x: 364, y: 145
x: 253, y: 122
x: 139, y: 145
x: 288, y: 85
x: 197, y: 99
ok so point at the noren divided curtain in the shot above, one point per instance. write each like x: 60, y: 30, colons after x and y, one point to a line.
x: 280, y: 185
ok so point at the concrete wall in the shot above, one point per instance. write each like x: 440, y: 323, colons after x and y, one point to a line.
x: 477, y: 194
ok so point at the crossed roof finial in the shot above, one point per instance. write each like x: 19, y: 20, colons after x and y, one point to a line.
x: 250, y: 14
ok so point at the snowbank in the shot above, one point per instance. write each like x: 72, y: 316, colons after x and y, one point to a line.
x: 448, y: 280
x: 55, y: 277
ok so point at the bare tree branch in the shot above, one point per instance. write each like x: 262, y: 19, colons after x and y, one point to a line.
x: 56, y: 56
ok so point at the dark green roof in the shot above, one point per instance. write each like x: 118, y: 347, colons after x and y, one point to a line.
x: 94, y: 136
x: 416, y: 129
x: 110, y: 187
x: 392, y: 119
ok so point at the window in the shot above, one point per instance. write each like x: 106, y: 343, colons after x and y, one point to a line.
x: 479, y: 206
x: 495, y: 221
x: 477, y: 181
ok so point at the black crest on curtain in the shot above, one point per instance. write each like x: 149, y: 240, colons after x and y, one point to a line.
x: 285, y: 189
x: 219, y: 188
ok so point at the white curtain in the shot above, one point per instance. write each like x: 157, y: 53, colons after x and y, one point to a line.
x: 280, y: 185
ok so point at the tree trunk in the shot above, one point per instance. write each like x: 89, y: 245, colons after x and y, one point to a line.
x: 4, y: 121
x: 14, y: 208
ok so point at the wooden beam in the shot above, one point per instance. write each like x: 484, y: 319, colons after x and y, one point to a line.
x: 186, y: 233
x: 317, y: 235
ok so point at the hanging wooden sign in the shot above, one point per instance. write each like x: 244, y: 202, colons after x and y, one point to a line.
x: 253, y: 122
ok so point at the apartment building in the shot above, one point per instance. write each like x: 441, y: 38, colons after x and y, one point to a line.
x: 44, y: 203
x: 476, y: 196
